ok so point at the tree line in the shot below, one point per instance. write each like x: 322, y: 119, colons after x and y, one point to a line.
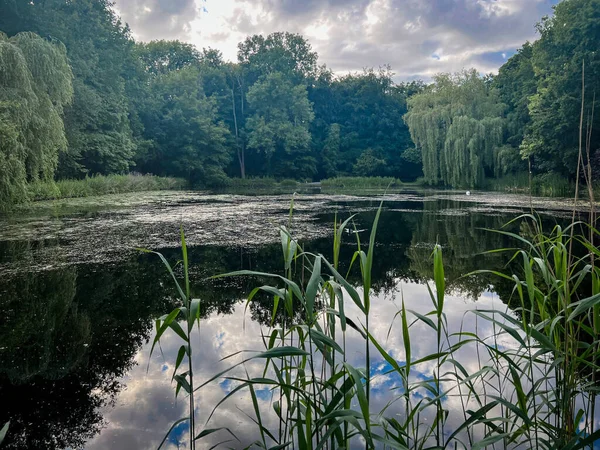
x: 525, y: 119
x: 81, y: 97
x: 167, y: 108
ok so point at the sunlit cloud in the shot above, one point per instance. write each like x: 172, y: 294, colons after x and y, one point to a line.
x: 147, y: 407
x: 350, y: 35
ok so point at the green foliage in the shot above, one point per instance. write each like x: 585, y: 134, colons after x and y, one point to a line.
x: 275, y: 111
x: 360, y: 182
x: 278, y: 128
x: 516, y: 83
x: 100, y: 53
x: 331, y: 151
x: 548, y: 184
x: 181, y: 124
x: 35, y: 86
x: 568, y: 40
x: 368, y: 164
x: 457, y: 122
x: 368, y: 107
x: 286, y: 53
x: 161, y: 57
x: 101, y: 185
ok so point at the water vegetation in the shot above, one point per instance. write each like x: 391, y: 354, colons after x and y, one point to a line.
x: 361, y: 183
x: 101, y: 185
x: 534, y: 384
x: 261, y: 183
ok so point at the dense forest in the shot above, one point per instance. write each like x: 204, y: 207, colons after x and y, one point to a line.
x: 79, y: 97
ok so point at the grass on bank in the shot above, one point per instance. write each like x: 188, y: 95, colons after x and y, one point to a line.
x: 260, y: 183
x: 360, y: 183
x: 101, y: 185
x: 546, y: 185
x: 337, y: 183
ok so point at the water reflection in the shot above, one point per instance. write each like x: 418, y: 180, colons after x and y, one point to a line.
x: 74, y: 340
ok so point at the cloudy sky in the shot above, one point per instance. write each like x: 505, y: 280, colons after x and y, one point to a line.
x: 418, y: 38
x: 145, y: 410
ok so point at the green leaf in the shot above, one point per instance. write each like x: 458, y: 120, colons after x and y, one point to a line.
x: 591, y: 439
x: 209, y: 431
x: 406, y: 338
x: 474, y: 417
x: 180, y: 354
x: 584, y: 305
x: 362, y: 397
x: 351, y: 291
x: 194, y: 313
x: 312, y: 288
x: 3, y: 431
x: 293, y: 286
x: 183, y: 382
x: 489, y: 440
x: 281, y: 352
x: 177, y: 329
x: 439, y: 277
x: 161, y: 326
x: 171, y: 429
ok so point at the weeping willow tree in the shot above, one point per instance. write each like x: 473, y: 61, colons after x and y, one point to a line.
x: 35, y: 85
x: 458, y: 124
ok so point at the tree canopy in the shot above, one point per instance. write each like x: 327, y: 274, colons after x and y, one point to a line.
x: 91, y: 100
x: 278, y: 128
x: 568, y: 41
x: 35, y: 81
x: 184, y: 136
x: 458, y: 124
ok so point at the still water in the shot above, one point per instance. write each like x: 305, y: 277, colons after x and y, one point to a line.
x: 78, y: 300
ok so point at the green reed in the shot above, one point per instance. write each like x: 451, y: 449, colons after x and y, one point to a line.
x: 361, y: 182
x: 101, y: 185
x: 537, y: 392
x: 3, y: 431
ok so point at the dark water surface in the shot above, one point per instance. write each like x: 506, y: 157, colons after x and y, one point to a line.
x: 78, y: 301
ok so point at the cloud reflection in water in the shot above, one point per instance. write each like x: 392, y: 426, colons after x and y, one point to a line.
x: 146, y: 408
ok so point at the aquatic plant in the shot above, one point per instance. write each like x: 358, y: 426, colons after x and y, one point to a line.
x: 3, y: 431
x: 101, y: 185
x: 361, y: 182
x: 534, y: 385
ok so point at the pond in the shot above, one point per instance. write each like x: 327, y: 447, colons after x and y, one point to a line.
x: 78, y: 300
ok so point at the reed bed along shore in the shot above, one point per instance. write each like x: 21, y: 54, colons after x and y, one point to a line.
x: 101, y: 185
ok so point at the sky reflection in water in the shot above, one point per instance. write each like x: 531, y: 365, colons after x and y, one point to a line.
x: 146, y: 408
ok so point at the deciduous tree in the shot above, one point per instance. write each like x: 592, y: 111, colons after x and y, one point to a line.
x: 458, y: 124
x: 278, y: 127
x: 35, y: 86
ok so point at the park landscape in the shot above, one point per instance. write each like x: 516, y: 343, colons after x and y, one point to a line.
x: 198, y: 252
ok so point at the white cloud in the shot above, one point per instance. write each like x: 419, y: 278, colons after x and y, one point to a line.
x: 352, y: 34
x: 146, y: 408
